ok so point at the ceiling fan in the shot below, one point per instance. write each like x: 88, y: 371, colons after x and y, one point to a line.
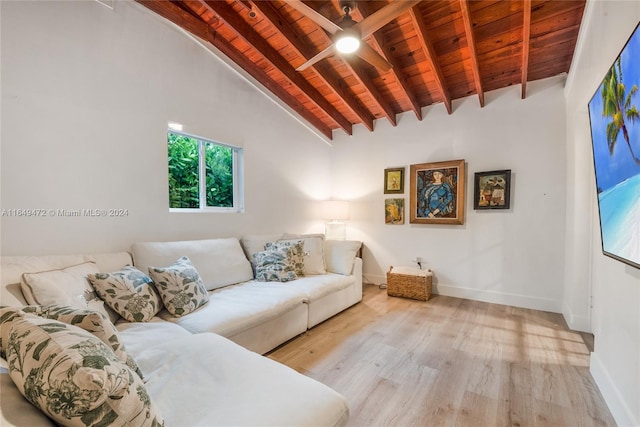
x: 347, y: 35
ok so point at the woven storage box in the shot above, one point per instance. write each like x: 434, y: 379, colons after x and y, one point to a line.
x: 408, y: 282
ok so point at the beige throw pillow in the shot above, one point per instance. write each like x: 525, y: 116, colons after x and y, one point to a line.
x: 67, y: 286
x: 340, y: 255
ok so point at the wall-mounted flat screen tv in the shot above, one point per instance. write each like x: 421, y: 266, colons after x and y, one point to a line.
x: 615, y: 137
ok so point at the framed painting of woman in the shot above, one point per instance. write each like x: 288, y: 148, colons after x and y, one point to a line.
x: 437, y: 193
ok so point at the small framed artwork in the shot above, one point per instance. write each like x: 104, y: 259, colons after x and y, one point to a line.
x: 437, y: 193
x: 492, y: 190
x: 394, y: 181
x: 394, y: 211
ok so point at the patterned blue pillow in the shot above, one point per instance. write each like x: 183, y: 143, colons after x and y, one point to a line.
x: 275, y: 265
x: 296, y: 254
x: 129, y: 292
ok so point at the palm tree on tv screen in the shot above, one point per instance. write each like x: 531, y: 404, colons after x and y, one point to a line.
x: 617, y: 105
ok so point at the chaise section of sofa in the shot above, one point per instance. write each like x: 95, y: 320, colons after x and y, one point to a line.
x: 208, y: 380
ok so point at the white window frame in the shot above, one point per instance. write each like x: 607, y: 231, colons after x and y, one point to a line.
x: 238, y: 177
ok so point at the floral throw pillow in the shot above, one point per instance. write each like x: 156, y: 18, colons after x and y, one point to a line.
x: 91, y: 321
x: 7, y: 317
x: 129, y: 292
x: 180, y: 287
x: 74, y: 378
x: 274, y: 265
x: 313, y: 252
x: 296, y: 254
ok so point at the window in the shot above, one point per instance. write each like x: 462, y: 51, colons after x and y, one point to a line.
x: 203, y: 175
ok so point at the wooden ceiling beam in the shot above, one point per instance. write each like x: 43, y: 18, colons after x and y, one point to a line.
x: 364, y: 10
x: 526, y: 37
x: 269, y: 12
x: 271, y: 55
x: 468, y: 29
x: 430, y: 53
x: 357, y: 67
x: 200, y: 29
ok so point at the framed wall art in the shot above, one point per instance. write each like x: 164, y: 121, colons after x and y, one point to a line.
x: 492, y: 190
x: 394, y: 211
x: 437, y: 193
x: 394, y: 181
x: 615, y: 139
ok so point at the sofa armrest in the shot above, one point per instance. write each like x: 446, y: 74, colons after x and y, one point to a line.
x: 357, y: 273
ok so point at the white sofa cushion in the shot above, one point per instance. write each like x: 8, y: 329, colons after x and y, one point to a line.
x: 249, y: 389
x: 340, y: 254
x: 12, y: 268
x: 239, y: 307
x: 318, y: 286
x: 138, y: 336
x: 220, y: 262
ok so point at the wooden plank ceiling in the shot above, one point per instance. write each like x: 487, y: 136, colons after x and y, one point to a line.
x: 439, y: 50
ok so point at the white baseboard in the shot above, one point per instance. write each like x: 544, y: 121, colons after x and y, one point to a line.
x: 575, y: 322
x: 525, y: 301
x: 615, y: 401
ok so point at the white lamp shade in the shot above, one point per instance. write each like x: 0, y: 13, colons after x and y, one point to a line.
x: 335, y: 210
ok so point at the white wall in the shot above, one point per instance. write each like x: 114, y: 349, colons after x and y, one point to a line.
x: 86, y: 96
x: 615, y: 319
x: 513, y: 256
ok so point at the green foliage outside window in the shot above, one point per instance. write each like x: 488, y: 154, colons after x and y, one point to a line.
x: 184, y: 177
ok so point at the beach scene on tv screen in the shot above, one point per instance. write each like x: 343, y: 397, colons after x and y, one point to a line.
x: 615, y: 133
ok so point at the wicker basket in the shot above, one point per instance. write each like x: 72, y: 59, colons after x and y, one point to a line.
x: 409, y: 283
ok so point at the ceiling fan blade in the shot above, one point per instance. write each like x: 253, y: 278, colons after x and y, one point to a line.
x: 323, y: 54
x: 314, y: 16
x: 370, y: 55
x: 382, y: 17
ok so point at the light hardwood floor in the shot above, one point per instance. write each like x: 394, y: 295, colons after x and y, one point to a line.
x: 450, y: 362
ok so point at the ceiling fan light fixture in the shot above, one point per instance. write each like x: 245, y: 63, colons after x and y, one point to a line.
x: 347, y: 42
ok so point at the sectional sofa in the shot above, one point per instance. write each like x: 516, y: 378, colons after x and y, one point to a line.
x: 206, y: 367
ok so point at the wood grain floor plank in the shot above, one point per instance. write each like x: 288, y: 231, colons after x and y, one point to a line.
x: 451, y: 362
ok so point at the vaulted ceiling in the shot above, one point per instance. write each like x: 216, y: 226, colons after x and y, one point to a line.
x: 438, y: 50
